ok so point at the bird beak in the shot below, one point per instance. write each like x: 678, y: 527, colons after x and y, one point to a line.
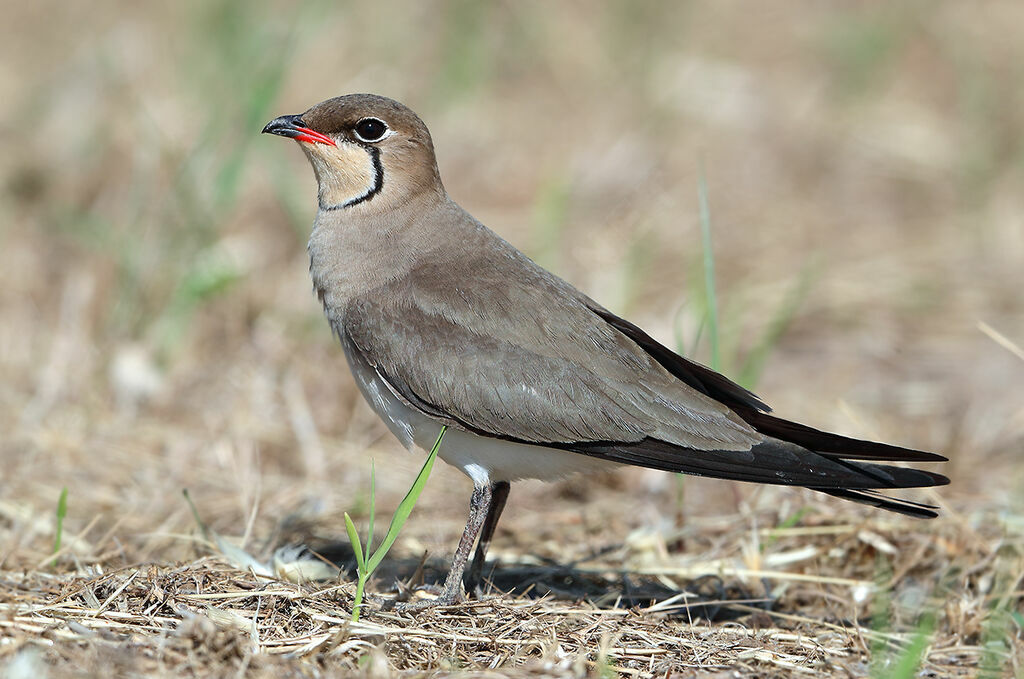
x: 293, y: 128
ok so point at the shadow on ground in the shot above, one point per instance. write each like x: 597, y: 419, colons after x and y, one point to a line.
x: 708, y: 597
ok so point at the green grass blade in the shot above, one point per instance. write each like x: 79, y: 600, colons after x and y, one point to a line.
x: 692, y: 351
x: 788, y: 522
x: 909, y: 662
x: 357, y: 547
x: 709, y: 270
x: 550, y: 216
x: 195, y: 514
x: 62, y: 512
x: 997, y: 634
x: 406, y: 505
x: 881, y: 613
x: 373, y: 507
x: 752, y: 367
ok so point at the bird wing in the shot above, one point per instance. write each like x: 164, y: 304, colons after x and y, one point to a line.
x: 479, y: 354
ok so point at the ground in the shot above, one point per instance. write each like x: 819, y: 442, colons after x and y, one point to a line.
x: 863, y: 166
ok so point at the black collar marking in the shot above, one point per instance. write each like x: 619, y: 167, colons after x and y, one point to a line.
x: 378, y: 182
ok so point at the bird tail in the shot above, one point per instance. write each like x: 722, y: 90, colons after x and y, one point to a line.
x: 792, y: 454
x: 780, y: 462
x: 892, y: 504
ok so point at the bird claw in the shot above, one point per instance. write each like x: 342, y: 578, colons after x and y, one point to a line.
x: 421, y: 604
x: 440, y: 597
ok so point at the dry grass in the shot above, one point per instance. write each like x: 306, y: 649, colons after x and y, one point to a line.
x: 156, y: 332
x: 209, y: 616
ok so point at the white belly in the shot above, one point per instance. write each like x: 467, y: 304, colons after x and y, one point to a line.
x: 482, y: 458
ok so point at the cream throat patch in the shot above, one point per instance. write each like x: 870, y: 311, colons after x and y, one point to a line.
x: 347, y: 174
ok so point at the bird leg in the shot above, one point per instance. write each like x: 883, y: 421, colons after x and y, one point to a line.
x: 451, y: 592
x: 499, y: 493
x: 479, y: 507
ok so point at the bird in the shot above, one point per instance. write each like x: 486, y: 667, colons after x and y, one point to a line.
x: 444, y: 323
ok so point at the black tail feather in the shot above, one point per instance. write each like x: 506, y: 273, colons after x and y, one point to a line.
x: 754, y: 411
x: 793, y: 453
x: 830, y: 444
x: 866, y: 497
x: 781, y: 463
x: 773, y: 461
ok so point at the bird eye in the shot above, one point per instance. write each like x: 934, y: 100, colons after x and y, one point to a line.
x: 371, y: 129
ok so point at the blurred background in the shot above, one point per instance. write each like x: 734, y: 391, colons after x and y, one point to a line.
x: 865, y: 176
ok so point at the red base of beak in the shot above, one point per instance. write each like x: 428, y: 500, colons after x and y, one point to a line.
x: 312, y: 137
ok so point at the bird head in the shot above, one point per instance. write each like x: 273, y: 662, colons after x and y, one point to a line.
x: 367, y: 151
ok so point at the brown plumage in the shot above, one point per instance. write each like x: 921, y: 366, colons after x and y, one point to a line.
x: 443, y: 322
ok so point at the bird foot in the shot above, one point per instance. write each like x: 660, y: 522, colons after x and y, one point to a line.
x: 434, y: 596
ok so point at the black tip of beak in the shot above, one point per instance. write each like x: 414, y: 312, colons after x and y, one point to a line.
x: 286, y: 126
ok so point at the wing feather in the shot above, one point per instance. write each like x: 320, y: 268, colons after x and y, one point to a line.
x: 480, y: 363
